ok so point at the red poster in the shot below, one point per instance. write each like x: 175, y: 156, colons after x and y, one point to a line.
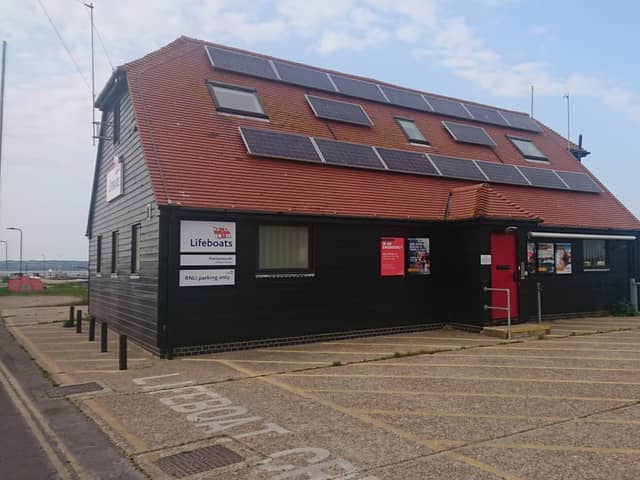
x: 391, y: 256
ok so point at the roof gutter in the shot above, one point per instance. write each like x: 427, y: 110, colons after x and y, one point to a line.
x: 584, y: 236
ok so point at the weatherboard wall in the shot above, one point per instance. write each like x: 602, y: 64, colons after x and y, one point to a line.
x: 129, y: 303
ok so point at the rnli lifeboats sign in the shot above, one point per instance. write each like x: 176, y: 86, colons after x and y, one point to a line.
x: 207, y: 237
x: 114, y: 180
x: 392, y: 256
x: 207, y: 244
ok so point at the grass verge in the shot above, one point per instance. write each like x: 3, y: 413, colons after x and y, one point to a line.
x: 71, y: 289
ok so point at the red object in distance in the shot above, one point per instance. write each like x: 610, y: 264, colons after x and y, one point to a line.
x: 392, y: 256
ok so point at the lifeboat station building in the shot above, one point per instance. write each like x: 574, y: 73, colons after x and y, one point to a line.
x: 243, y: 200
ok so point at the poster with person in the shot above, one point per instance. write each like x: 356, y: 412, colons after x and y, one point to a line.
x: 419, y: 256
x: 563, y: 258
x: 531, y: 257
x: 546, y: 258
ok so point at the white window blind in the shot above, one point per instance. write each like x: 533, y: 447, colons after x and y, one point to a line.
x: 283, y: 247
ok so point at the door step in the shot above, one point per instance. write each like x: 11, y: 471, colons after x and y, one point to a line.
x: 518, y: 331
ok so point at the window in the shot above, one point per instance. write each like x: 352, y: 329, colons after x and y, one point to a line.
x: 135, y: 248
x: 528, y: 149
x: 115, y: 243
x: 283, y: 248
x: 99, y: 254
x: 411, y: 131
x: 116, y: 122
x: 238, y: 100
x: 595, y: 255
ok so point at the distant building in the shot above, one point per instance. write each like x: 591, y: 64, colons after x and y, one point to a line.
x: 243, y: 200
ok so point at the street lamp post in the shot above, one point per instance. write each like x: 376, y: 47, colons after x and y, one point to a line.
x: 6, y: 254
x: 19, y: 230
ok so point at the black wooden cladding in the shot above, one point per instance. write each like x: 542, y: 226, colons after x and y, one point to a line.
x: 129, y: 303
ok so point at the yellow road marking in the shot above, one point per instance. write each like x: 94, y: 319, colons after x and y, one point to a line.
x: 413, y: 413
x: 39, y: 426
x: 561, y: 448
x: 389, y: 344
x: 463, y: 354
x: 488, y: 365
x: 430, y: 444
x: 324, y: 352
x: 473, y: 379
x: 45, y: 361
x: 138, y: 444
x: 467, y: 394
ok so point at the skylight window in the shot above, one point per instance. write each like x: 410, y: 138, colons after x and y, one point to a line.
x: 411, y: 130
x: 236, y: 100
x: 528, y: 149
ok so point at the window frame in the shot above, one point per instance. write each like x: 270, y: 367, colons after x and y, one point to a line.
x: 116, y: 122
x: 412, y: 141
x: 115, y: 247
x: 276, y: 272
x: 99, y: 254
x: 136, y: 252
x: 221, y: 108
x: 533, y: 158
x: 604, y: 268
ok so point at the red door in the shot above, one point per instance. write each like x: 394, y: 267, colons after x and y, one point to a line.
x: 504, y: 273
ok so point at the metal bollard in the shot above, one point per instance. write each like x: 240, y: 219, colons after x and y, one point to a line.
x: 79, y: 321
x: 539, y: 289
x: 103, y: 337
x: 71, y: 309
x: 92, y: 328
x: 123, y: 352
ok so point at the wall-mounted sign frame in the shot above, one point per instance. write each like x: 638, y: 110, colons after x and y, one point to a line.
x: 392, y: 256
x: 114, y: 180
x: 419, y: 256
x: 207, y: 278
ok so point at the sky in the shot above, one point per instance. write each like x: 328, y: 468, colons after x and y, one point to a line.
x: 488, y: 51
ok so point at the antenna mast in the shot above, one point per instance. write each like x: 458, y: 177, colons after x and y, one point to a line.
x: 531, y: 101
x: 93, y: 79
x: 568, y: 122
x: 2, y: 76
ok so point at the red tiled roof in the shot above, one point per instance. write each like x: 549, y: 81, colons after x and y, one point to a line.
x: 482, y: 201
x: 196, y: 157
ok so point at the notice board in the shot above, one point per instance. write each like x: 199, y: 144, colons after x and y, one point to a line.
x: 392, y: 256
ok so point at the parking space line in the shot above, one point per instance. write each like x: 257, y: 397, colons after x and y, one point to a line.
x: 110, y: 359
x: 472, y: 379
x: 430, y: 444
x: 267, y: 362
x: 538, y: 357
x: 424, y: 337
x: 489, y: 365
x: 468, y: 394
x: 559, y: 347
x: 559, y: 448
x: 324, y: 352
x: 413, y: 413
x: 597, y: 342
x: 388, y: 344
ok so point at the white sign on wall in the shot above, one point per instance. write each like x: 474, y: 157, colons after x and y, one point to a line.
x: 206, y: 260
x: 485, y: 259
x: 209, y: 237
x: 206, y: 278
x: 114, y: 180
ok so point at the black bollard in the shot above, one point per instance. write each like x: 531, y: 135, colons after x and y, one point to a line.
x: 71, y: 309
x: 103, y: 337
x: 79, y: 321
x: 92, y: 328
x: 123, y: 352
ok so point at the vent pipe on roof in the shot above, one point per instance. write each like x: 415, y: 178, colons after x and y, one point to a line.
x: 579, y: 152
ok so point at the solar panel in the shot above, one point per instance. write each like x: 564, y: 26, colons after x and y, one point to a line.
x: 469, y: 134
x: 487, y: 115
x: 408, y: 162
x: 358, y: 88
x: 348, y: 154
x: 340, y: 111
x: 457, y: 168
x: 405, y: 98
x: 447, y: 107
x: 263, y: 143
x: 240, y: 63
x: 523, y: 122
x: 501, y: 173
x: 579, y: 181
x: 304, y: 76
x: 542, y: 177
